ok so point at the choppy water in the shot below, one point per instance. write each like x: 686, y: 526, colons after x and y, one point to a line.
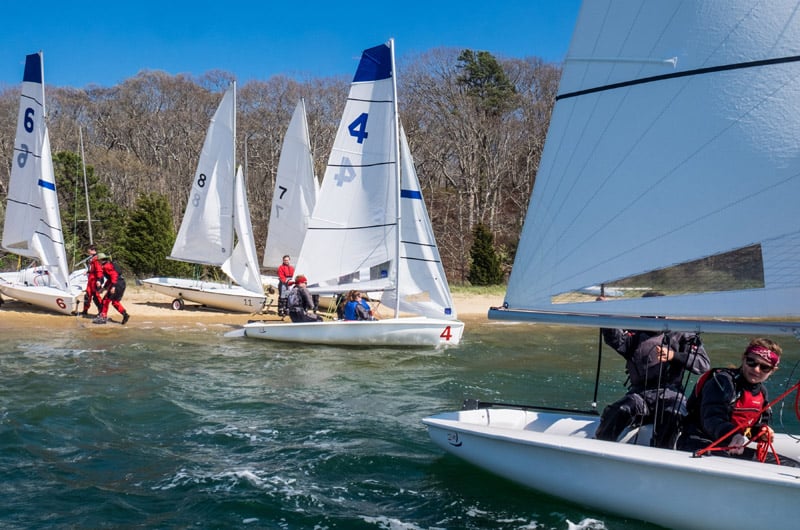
x: 182, y: 428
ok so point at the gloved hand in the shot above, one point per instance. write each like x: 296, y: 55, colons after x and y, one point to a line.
x: 737, y: 444
x: 764, y: 433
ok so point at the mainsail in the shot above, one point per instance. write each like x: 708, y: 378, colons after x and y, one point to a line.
x: 352, y: 233
x: 32, y: 225
x: 206, y: 233
x: 296, y: 190
x: 671, y: 141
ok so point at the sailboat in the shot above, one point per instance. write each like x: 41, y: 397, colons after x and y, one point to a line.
x: 673, y: 142
x: 296, y: 191
x: 370, y: 230
x: 216, y: 212
x: 32, y: 227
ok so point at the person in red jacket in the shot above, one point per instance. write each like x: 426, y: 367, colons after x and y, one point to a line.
x: 94, y: 281
x: 733, y: 402
x: 285, y: 274
x: 114, y: 288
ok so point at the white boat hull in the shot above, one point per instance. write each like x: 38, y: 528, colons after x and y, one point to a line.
x: 45, y: 297
x: 210, y: 294
x: 556, y: 454
x: 412, y: 331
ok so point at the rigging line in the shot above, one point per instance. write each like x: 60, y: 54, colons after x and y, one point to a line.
x: 685, y: 73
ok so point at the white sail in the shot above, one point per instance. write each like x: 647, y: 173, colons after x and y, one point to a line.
x: 296, y: 190
x: 422, y: 284
x: 354, y: 235
x: 353, y: 230
x: 242, y: 265
x: 674, y: 138
x: 217, y: 211
x: 206, y: 233
x: 32, y: 225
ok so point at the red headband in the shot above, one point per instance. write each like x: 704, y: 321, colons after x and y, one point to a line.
x: 765, y: 353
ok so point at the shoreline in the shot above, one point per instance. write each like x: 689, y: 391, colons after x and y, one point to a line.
x: 149, y: 308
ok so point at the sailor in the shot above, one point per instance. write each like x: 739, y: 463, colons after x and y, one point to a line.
x: 300, y: 302
x: 655, y: 364
x: 730, y: 405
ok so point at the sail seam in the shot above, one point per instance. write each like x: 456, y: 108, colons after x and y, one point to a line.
x: 676, y: 75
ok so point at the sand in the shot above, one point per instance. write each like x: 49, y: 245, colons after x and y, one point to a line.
x: 148, y: 307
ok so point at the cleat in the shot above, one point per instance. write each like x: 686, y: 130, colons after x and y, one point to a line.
x: 99, y: 320
x: 125, y: 318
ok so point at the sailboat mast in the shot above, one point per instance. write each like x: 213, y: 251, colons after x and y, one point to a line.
x: 396, y: 148
x: 86, y: 187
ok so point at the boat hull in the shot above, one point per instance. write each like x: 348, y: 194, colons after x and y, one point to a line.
x: 412, y: 331
x: 210, y: 294
x: 50, y: 298
x: 557, y: 454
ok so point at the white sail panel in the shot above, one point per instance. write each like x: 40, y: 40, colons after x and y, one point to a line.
x: 665, y: 146
x: 353, y: 227
x: 32, y: 226
x: 242, y: 266
x: 296, y: 190
x: 422, y: 284
x: 206, y: 233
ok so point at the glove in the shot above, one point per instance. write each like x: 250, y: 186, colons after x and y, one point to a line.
x: 737, y: 444
x: 764, y: 433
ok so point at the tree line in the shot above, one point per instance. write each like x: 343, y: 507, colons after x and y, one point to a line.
x: 476, y: 126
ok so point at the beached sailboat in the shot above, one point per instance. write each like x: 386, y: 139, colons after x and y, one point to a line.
x: 216, y: 217
x: 296, y: 191
x: 32, y: 227
x: 658, y: 162
x: 370, y: 230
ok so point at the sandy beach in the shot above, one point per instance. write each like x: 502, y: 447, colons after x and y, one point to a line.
x: 148, y: 308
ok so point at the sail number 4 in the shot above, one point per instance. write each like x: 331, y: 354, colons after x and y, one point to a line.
x: 447, y: 334
x: 358, y: 128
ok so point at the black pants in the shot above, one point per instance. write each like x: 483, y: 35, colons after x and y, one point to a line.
x: 302, y: 316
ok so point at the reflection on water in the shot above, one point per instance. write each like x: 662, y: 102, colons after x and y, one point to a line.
x: 125, y: 427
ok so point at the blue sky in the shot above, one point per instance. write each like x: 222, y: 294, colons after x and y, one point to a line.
x: 104, y: 42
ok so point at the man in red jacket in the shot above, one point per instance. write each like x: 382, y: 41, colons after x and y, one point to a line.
x: 114, y: 288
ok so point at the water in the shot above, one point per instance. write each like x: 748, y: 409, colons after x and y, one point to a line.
x: 182, y: 428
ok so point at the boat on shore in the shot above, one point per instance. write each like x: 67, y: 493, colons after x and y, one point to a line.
x: 32, y: 227
x: 216, y: 228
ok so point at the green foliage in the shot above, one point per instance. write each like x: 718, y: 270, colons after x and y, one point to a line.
x: 485, y: 263
x: 149, y: 237
x: 107, y: 217
x: 486, y: 81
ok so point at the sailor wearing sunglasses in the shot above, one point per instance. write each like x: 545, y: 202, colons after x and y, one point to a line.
x: 725, y: 399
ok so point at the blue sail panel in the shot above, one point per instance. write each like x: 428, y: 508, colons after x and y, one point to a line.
x: 33, y: 68
x: 376, y: 64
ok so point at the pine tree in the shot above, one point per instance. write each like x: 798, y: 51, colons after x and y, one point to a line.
x: 148, y: 239
x: 485, y: 263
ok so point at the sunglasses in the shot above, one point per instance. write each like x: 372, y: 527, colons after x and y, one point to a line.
x: 752, y: 363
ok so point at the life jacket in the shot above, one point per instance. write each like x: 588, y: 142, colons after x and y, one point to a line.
x: 294, y: 300
x: 745, y: 406
x: 112, y: 273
